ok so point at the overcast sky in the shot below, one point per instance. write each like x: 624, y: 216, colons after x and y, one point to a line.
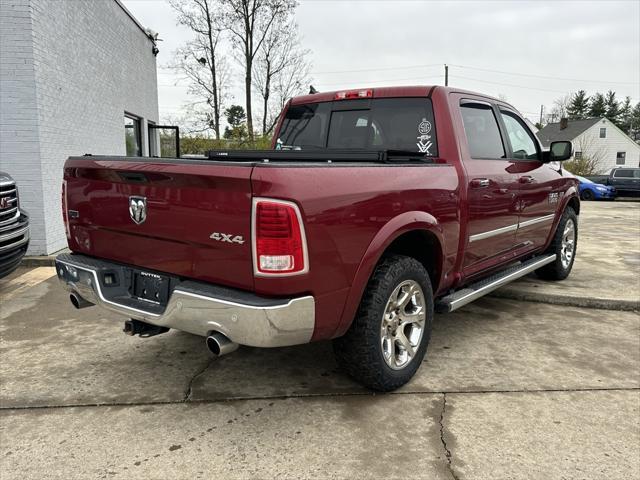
x: 529, y: 52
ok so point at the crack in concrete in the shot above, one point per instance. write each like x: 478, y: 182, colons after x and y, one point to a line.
x: 189, y: 390
x: 447, y: 452
x: 187, y: 395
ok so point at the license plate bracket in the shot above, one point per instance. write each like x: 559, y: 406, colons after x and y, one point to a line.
x: 150, y: 287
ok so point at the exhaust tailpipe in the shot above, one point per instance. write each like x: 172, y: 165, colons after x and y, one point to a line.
x: 79, y: 302
x: 219, y: 344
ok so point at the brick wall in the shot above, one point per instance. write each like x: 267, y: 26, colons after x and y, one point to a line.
x: 19, y: 135
x: 90, y: 62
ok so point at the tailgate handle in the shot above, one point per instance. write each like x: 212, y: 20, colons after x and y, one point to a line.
x: 133, y: 177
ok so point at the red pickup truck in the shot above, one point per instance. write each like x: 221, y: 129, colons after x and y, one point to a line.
x: 374, y: 208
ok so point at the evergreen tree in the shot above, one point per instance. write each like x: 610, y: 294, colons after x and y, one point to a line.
x: 579, y: 106
x: 236, y: 118
x: 597, y: 106
x: 635, y: 123
x: 625, y: 116
x: 612, y: 108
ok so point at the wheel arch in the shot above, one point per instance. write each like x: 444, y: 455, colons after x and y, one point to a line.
x: 414, y: 234
x: 574, y: 203
x: 570, y: 199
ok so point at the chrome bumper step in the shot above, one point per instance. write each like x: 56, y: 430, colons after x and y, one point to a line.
x: 468, y: 294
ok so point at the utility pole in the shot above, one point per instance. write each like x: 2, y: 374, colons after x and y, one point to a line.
x: 541, y: 113
x: 446, y: 75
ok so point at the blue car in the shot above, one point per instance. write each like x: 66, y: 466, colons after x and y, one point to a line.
x: 595, y: 191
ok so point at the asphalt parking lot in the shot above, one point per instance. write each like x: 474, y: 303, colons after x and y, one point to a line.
x: 540, y: 381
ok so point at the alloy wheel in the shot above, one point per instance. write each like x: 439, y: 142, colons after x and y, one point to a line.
x: 403, y: 324
x: 567, y: 248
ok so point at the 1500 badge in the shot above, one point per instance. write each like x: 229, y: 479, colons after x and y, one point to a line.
x: 553, y: 197
x: 227, y: 237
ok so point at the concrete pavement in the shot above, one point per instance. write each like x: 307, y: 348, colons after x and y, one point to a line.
x: 509, y: 390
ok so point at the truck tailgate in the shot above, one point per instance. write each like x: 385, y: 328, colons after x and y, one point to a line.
x: 197, y: 215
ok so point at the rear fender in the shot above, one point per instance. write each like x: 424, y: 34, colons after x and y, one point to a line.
x: 403, y: 223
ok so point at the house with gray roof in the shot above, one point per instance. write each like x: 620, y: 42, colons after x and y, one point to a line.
x: 596, y: 138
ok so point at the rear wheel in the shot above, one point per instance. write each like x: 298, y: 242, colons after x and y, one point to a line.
x: 387, y: 341
x: 564, y: 244
x: 587, y: 195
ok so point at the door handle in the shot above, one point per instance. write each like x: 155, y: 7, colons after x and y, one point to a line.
x: 480, y: 183
x: 526, y: 179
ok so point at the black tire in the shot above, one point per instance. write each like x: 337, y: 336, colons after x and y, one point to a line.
x: 587, y: 195
x: 360, y: 352
x: 559, y: 269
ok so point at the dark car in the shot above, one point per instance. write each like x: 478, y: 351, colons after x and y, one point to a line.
x: 625, y: 180
x: 14, y: 226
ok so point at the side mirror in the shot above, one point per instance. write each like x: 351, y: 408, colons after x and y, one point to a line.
x: 558, y: 152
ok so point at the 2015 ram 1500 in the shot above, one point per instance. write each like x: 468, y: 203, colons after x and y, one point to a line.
x: 374, y: 208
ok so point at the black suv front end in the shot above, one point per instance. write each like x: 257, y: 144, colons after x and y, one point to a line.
x: 14, y: 226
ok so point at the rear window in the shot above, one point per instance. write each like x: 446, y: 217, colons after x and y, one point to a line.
x: 379, y: 124
x: 626, y: 173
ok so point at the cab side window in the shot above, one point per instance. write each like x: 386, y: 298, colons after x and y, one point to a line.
x: 522, y: 143
x: 622, y: 173
x: 482, y: 132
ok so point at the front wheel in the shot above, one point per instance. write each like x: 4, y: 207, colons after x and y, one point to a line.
x: 387, y: 340
x: 564, y: 244
x: 587, y: 195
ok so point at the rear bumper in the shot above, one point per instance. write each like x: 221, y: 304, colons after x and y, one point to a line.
x: 194, y: 307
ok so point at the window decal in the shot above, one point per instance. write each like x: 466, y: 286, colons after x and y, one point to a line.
x: 424, y: 139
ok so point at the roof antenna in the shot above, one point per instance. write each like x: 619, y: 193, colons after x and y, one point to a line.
x: 312, y: 90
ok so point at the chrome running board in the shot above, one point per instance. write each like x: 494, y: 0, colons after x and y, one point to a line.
x: 468, y: 294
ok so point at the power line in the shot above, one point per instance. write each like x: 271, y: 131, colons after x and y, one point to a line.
x: 379, y: 81
x: 380, y: 69
x: 509, y: 84
x: 543, y: 76
x: 503, y: 72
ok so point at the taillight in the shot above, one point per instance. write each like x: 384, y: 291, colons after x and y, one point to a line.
x: 351, y: 94
x: 65, y: 218
x: 279, y: 244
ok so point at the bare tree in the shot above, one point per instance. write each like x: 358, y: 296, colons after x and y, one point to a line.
x: 250, y: 22
x: 200, y: 60
x: 560, y: 108
x: 281, y: 69
x: 588, y: 157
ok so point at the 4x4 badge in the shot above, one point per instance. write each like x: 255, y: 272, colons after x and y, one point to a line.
x: 226, y: 237
x: 138, y: 209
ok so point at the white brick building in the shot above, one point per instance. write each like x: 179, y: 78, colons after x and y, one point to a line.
x: 69, y: 72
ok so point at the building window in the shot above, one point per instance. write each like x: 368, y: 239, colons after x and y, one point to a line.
x: 603, y: 132
x: 578, y: 155
x: 620, y: 156
x: 132, y: 136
